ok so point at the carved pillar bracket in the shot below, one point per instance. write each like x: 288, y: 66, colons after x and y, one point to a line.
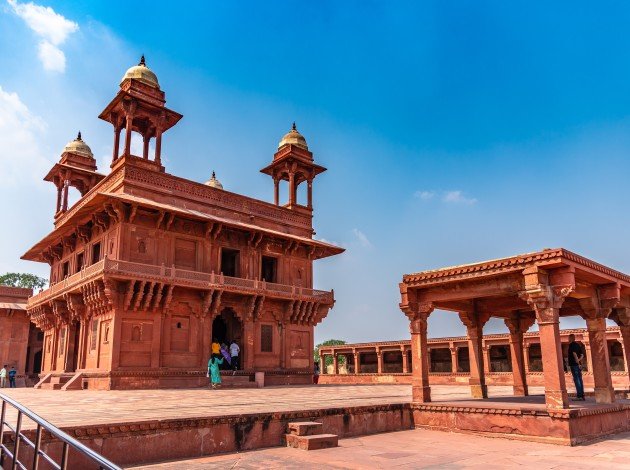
x: 546, y: 301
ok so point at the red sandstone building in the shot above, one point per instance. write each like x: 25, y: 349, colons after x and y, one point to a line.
x: 449, y: 361
x: 146, y: 268
x: 20, y: 341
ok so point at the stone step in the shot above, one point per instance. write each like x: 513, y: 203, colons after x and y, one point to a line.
x: 316, y: 442
x: 305, y: 428
x: 51, y: 386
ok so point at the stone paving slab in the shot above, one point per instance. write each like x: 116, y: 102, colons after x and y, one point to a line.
x: 424, y: 449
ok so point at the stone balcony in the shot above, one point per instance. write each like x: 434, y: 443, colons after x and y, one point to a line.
x: 126, y: 270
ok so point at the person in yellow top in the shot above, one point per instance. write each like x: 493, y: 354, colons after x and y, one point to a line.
x: 216, y: 348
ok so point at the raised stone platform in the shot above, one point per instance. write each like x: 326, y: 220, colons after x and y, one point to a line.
x: 142, y: 426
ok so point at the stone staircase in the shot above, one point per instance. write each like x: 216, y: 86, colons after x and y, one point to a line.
x: 237, y: 381
x: 51, y: 382
x: 307, y: 435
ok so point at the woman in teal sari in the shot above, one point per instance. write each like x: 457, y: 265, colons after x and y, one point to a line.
x: 213, y: 371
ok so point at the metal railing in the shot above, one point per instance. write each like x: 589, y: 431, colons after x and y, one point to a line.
x: 19, y: 437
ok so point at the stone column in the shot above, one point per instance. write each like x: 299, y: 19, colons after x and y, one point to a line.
x: 128, y: 127
x: 454, y: 359
x: 474, y: 323
x: 526, y: 359
x: 604, y: 392
x: 405, y: 361
x: 322, y: 364
x: 59, y: 191
x: 379, y: 361
x: 117, y: 130
x: 292, y: 188
x: 418, y: 315
x: 158, y: 146
x: 546, y: 301
x: 66, y: 185
x: 588, y: 354
x: 357, y: 365
x: 145, y: 146
x: 517, y: 327
x: 625, y: 345
x: 310, y: 193
x: 276, y: 191
x: 248, y: 344
x: 486, y: 359
x: 335, y: 363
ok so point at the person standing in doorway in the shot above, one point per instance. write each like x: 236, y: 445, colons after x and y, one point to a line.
x: 12, y: 374
x: 216, y: 348
x: 234, y: 352
x: 575, y: 364
x: 3, y: 377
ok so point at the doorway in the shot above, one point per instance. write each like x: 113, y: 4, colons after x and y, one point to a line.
x: 72, y: 360
x: 226, y: 328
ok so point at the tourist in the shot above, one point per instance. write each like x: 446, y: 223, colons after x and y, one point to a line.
x: 316, y: 373
x: 575, y: 358
x: 216, y: 348
x: 234, y: 352
x: 3, y: 377
x: 226, y: 355
x: 12, y: 374
x: 213, y: 371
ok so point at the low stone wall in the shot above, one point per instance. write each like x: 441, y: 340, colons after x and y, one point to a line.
x: 620, y: 380
x: 565, y: 427
x: 160, y: 440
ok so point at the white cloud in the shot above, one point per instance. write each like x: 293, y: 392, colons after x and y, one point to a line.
x: 424, y: 195
x: 52, y: 57
x: 51, y: 27
x: 457, y: 197
x: 20, y: 132
x: 363, y: 239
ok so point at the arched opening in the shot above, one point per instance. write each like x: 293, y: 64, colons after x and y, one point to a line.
x: 226, y: 328
x: 500, y: 359
x: 463, y: 359
x: 615, y: 352
x: 37, y: 362
x: 441, y: 360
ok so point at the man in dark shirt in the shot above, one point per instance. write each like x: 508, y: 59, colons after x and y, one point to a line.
x: 575, y: 364
x: 12, y: 374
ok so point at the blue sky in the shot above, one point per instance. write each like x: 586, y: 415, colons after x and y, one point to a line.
x: 453, y: 131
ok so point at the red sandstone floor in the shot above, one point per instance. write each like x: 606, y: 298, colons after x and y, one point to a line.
x: 425, y: 449
x: 99, y: 407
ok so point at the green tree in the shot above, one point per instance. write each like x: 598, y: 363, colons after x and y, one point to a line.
x: 329, y: 359
x: 30, y: 281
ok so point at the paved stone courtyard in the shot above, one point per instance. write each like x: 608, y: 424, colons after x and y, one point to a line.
x: 424, y: 449
x: 71, y: 408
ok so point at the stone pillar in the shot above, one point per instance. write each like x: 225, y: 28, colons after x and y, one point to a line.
x: 405, y: 361
x: 357, y: 365
x: 276, y: 191
x: 335, y: 363
x: 588, y: 354
x: 66, y: 185
x: 158, y: 146
x: 248, y: 344
x: 454, y: 359
x: 486, y: 358
x: 322, y: 364
x: 310, y: 193
x: 145, y: 146
x: 625, y: 346
x: 128, y: 126
x: 379, y: 361
x: 526, y: 359
x: 116, y: 143
x: 292, y: 188
x: 420, y: 389
x: 474, y: 323
x: 517, y: 327
x: 59, y: 191
x: 604, y: 392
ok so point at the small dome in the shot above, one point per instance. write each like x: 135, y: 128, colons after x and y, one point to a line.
x: 79, y: 147
x: 214, y: 182
x: 293, y: 137
x: 142, y: 73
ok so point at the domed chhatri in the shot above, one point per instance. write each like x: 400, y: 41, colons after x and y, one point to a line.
x: 213, y: 182
x: 79, y: 147
x: 293, y: 137
x: 142, y: 73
